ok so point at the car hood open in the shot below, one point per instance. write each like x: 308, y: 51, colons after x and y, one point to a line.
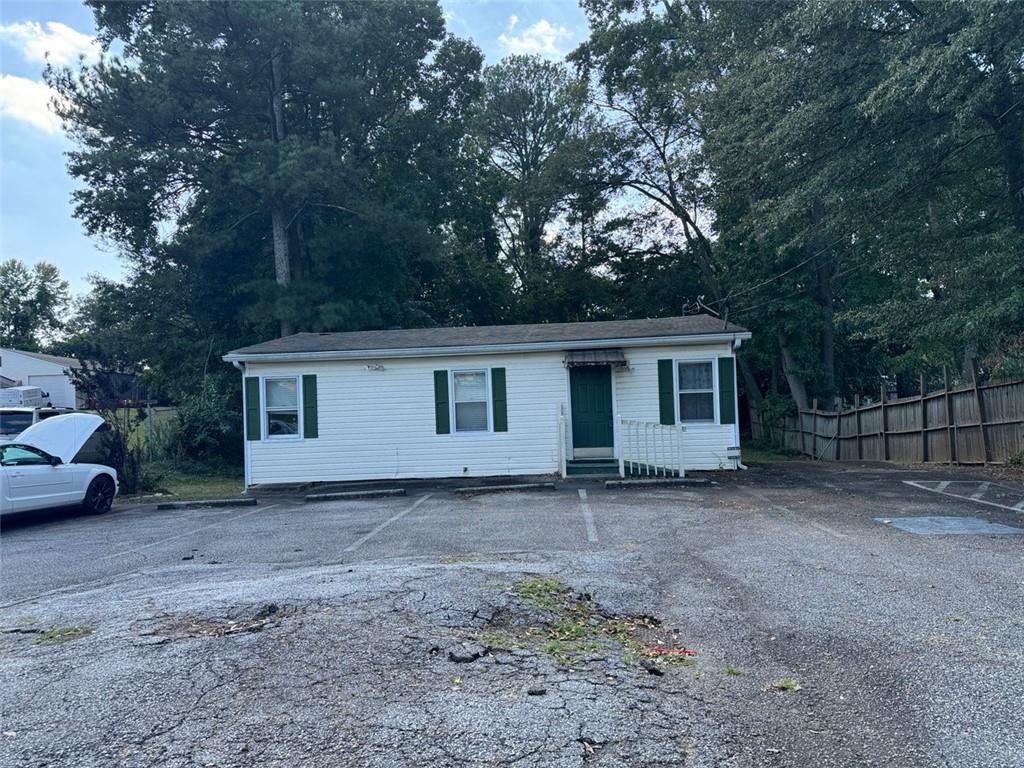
x: 62, y: 436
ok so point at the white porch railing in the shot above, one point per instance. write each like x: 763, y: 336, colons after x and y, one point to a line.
x: 649, y: 448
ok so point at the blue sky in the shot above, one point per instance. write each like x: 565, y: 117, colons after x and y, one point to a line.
x: 36, y: 222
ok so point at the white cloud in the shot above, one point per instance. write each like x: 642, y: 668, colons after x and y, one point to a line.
x: 28, y: 101
x: 512, y: 21
x: 52, y: 41
x: 543, y: 38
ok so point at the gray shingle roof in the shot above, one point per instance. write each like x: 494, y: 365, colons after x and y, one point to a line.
x: 66, y: 362
x: 485, y: 335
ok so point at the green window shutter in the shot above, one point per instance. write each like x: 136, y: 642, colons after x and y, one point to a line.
x: 252, y: 408
x: 727, y: 390
x: 666, y: 393
x: 310, y: 426
x: 442, y: 426
x: 498, y: 400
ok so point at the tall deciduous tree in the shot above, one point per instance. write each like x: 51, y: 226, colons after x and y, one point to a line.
x: 32, y: 304
x: 292, y: 111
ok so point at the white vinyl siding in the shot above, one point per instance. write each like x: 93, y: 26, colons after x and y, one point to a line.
x: 705, y: 445
x: 377, y: 418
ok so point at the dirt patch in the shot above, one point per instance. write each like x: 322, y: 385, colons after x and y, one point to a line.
x: 252, y: 619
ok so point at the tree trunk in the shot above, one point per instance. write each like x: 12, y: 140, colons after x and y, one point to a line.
x: 823, y: 267
x: 797, y: 388
x: 278, y: 218
x: 282, y: 259
x: 1009, y: 129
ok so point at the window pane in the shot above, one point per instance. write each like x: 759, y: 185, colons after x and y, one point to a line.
x: 697, y: 407
x: 695, y: 376
x: 16, y: 456
x: 283, y: 423
x: 471, y: 417
x: 14, y: 422
x: 281, y: 393
x: 470, y: 387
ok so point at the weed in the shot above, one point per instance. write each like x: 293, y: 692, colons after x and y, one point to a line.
x: 735, y: 671
x: 576, y: 626
x: 783, y: 684
x: 545, y: 594
x: 59, y: 635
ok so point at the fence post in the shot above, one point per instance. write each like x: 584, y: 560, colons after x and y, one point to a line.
x: 981, y: 414
x: 924, y: 420
x: 860, y: 444
x: 950, y: 418
x: 839, y: 429
x: 814, y: 429
x: 885, y: 437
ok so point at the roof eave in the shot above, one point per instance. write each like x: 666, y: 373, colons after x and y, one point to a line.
x: 487, y: 349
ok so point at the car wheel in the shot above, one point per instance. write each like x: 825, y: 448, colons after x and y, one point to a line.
x: 100, y: 495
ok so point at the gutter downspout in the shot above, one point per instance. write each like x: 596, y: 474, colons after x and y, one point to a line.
x: 245, y: 442
x: 736, y: 343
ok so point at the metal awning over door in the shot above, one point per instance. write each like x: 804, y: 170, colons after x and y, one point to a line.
x: 578, y: 358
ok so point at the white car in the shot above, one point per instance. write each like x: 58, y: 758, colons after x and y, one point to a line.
x: 47, y: 466
x: 15, y: 420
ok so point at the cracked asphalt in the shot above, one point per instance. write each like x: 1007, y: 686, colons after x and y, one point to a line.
x: 322, y: 634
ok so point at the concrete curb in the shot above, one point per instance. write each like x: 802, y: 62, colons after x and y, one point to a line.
x: 351, y: 495
x: 473, y: 490
x: 655, y: 482
x: 252, y: 502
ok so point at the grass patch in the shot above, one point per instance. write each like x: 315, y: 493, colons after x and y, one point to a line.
x: 574, y: 626
x: 766, y: 453
x: 545, y: 594
x: 783, y: 684
x: 735, y: 671
x: 187, y: 486
x: 59, y: 635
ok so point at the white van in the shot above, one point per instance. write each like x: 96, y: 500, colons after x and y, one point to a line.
x: 25, y: 397
x: 14, y: 421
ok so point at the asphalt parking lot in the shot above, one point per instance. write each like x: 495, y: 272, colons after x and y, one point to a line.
x: 547, y: 628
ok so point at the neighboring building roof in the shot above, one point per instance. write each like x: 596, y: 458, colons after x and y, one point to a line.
x: 63, y: 362
x: 5, y: 382
x: 489, y: 338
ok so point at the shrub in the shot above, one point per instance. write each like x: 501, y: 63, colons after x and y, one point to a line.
x: 208, y: 429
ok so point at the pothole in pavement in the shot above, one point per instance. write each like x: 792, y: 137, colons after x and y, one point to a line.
x: 546, y: 618
x: 233, y: 621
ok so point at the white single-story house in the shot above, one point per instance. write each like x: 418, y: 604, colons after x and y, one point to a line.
x: 50, y: 373
x: 620, y: 396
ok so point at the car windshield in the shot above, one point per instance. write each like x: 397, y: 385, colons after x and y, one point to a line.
x: 14, y: 422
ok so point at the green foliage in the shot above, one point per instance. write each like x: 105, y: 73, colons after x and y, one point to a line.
x: 843, y: 178
x: 209, y: 428
x: 32, y: 306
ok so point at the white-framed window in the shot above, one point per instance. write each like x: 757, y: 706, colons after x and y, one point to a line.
x: 695, y: 391
x: 281, y: 407
x: 471, y: 401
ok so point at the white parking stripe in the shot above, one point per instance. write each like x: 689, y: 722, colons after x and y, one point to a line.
x: 981, y: 491
x: 1019, y: 506
x: 943, y: 485
x: 588, y: 517
x: 919, y: 484
x: 363, y: 539
x: 138, y: 550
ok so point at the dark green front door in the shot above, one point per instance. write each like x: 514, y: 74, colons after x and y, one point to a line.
x: 590, y: 389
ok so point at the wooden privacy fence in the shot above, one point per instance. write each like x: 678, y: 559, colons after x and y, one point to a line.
x: 975, y: 424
